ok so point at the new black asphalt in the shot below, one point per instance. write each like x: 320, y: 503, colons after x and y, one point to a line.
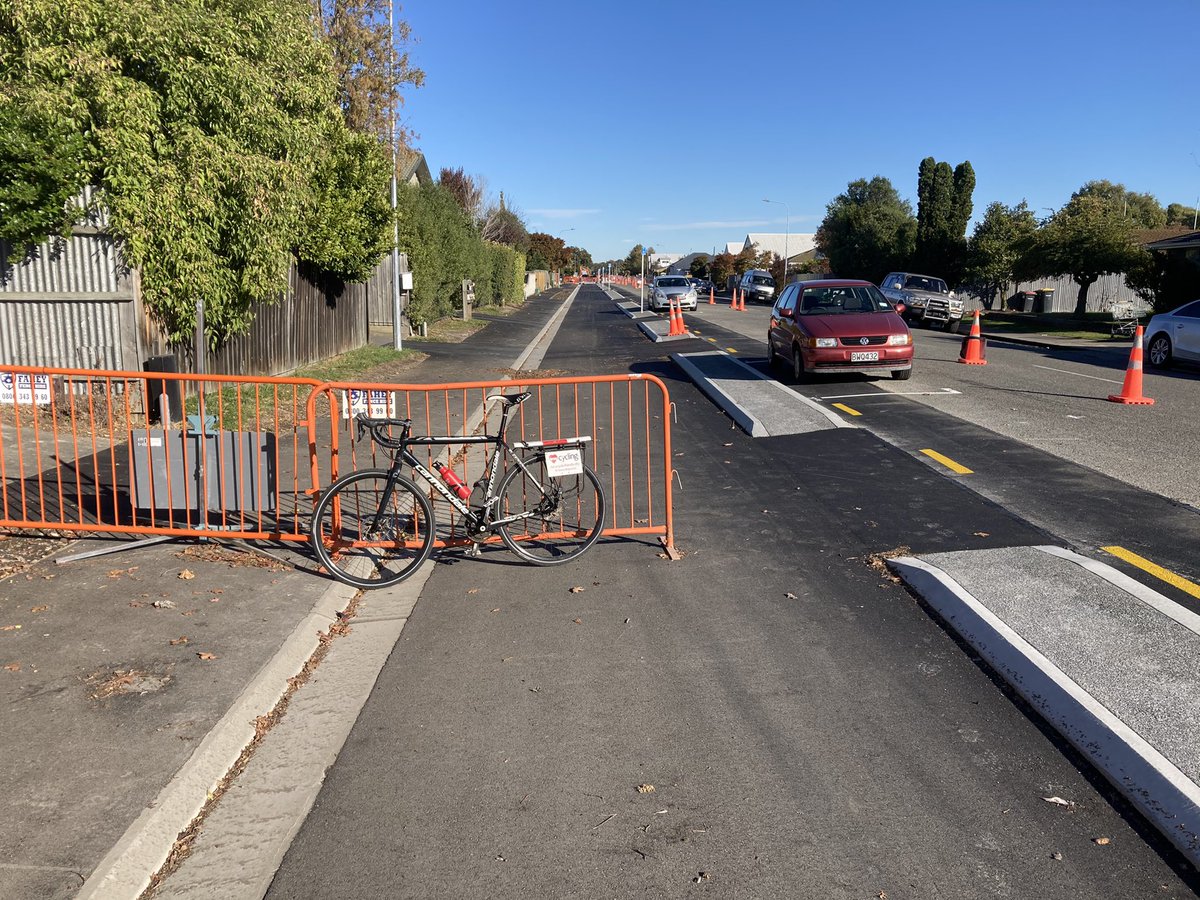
x: 770, y: 716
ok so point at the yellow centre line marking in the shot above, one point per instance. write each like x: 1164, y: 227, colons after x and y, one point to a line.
x: 948, y: 462
x: 731, y: 349
x: 1176, y: 581
x: 711, y: 340
x: 846, y: 409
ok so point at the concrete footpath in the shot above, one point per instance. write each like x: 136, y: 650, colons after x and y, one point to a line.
x: 132, y: 683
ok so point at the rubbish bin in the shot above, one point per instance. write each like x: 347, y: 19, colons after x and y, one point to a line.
x: 157, y: 388
x: 1043, y: 300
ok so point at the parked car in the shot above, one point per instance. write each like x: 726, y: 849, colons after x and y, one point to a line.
x: 1174, y: 336
x: 838, y: 325
x: 757, y: 284
x: 927, y: 299
x: 668, y: 289
x: 702, y: 286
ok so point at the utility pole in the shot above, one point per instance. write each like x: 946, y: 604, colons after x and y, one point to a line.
x: 397, y: 312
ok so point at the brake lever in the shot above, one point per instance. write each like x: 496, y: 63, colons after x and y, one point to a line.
x: 360, y: 420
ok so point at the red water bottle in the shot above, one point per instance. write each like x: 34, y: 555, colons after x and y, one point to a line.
x: 456, y: 484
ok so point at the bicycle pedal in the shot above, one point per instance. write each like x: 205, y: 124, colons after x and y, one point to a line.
x: 474, y: 551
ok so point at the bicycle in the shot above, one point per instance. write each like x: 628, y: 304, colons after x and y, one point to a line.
x: 375, y: 527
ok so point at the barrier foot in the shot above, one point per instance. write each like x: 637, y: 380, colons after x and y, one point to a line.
x: 671, y: 552
x: 116, y: 548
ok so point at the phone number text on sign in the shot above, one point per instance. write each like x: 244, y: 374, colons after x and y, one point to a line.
x: 375, y: 404
x: 24, y: 388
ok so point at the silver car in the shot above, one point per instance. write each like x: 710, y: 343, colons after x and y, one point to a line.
x: 926, y: 299
x: 1174, y: 336
x: 670, y: 289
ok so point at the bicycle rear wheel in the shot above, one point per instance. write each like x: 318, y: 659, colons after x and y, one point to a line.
x: 366, y: 543
x: 567, y: 513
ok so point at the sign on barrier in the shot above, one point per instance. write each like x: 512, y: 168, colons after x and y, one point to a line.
x: 24, y: 389
x: 377, y: 404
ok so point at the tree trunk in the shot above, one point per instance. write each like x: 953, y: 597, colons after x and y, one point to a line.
x: 1081, y: 300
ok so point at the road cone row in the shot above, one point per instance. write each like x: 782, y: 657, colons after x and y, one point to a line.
x: 1131, y: 390
x: 712, y: 296
x: 972, y: 346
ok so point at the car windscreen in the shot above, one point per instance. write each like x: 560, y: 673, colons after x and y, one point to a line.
x: 922, y: 283
x: 837, y: 300
x: 672, y: 282
x: 763, y: 279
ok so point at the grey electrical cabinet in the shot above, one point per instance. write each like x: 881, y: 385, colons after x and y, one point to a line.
x: 212, y: 471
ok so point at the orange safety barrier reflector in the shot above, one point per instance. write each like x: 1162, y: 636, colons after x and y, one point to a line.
x: 628, y: 418
x: 85, y: 450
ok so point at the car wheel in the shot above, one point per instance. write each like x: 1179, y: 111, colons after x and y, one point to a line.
x: 772, y: 356
x: 901, y: 374
x: 798, y: 373
x: 1158, y: 351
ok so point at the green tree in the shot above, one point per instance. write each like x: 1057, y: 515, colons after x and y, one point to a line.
x: 720, y: 269
x: 867, y: 231
x: 547, y: 252
x: 997, y: 248
x: 213, y: 134
x: 577, y: 259
x: 699, y: 266
x: 1140, y: 210
x: 944, y: 207
x: 1087, y: 238
x: 1178, y: 214
x: 745, y: 260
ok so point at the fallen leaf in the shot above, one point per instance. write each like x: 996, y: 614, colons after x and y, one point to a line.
x: 577, y: 621
x: 576, y: 590
x: 216, y: 590
x: 13, y: 667
x: 982, y: 534
x: 730, y: 444
x: 214, y: 599
x: 190, y: 612
x: 1058, y: 801
x: 790, y: 595
x: 187, y: 574
x: 38, y: 609
x: 645, y: 789
x: 178, y: 641
x: 473, y: 591
x: 163, y: 604
x: 497, y: 609
x: 207, y: 655
x: 1101, y: 841
x: 10, y: 627
x: 1056, y: 855
x: 882, y: 895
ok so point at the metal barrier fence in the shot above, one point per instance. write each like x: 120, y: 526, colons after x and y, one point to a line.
x: 119, y: 452
x: 627, y: 417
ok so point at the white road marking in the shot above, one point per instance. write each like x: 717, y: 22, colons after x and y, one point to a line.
x: 1080, y: 374
x: 942, y: 392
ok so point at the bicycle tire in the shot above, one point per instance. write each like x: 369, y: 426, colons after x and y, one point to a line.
x: 359, y: 557
x: 554, y: 536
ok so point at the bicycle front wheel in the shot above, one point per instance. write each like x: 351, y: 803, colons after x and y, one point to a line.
x: 561, y: 516
x: 368, y: 537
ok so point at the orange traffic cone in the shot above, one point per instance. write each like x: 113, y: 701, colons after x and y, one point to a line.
x: 1131, y: 391
x: 742, y: 301
x: 674, y: 329
x: 712, y: 296
x: 733, y: 300
x: 679, y: 320
x: 972, y: 346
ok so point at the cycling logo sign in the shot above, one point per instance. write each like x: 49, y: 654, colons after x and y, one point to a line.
x: 24, y: 388
x: 564, y: 462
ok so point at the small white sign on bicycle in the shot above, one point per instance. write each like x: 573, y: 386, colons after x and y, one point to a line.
x: 564, y: 462
x: 376, y: 404
x: 24, y: 388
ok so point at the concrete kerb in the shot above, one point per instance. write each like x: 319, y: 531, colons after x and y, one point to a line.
x: 125, y: 871
x: 735, y: 410
x: 1143, y: 775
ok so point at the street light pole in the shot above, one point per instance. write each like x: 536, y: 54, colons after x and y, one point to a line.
x: 397, y: 312
x: 787, y: 228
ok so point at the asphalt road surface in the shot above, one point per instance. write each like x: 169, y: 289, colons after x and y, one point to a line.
x: 771, y: 716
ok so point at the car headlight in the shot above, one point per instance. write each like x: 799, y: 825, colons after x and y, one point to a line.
x: 899, y: 340
x: 822, y: 342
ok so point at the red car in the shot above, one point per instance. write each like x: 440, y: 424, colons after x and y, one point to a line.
x: 838, y: 326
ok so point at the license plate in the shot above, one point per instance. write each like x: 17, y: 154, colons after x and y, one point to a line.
x: 564, y: 462
x: 865, y: 356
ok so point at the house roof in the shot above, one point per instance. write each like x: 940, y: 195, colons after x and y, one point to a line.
x: 792, y: 244
x: 411, y: 167
x: 734, y: 247
x: 1179, y: 241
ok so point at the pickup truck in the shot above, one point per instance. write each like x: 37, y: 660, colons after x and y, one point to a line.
x: 926, y: 299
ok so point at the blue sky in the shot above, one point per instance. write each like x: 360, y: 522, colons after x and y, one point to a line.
x: 667, y: 123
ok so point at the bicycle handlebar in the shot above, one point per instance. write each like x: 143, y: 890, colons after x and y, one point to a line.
x: 378, y: 435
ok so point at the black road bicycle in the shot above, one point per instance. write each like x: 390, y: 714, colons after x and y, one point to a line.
x: 374, y: 527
